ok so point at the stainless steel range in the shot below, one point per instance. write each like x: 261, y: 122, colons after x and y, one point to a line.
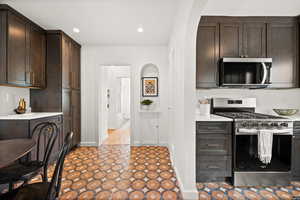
x: 248, y: 170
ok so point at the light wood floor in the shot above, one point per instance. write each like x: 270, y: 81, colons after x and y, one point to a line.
x: 118, y: 136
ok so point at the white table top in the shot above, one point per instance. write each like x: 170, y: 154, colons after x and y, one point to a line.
x: 30, y: 116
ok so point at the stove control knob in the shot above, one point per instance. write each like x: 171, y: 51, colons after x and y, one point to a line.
x: 274, y: 124
x: 284, y: 124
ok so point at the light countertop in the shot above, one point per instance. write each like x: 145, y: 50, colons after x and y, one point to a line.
x: 29, y: 116
x: 212, y: 118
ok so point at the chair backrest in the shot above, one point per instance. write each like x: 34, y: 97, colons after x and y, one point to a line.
x: 54, y: 188
x: 49, y: 130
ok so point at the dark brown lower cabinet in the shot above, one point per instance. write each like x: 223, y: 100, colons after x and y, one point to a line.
x: 76, y: 113
x: 11, y: 129
x: 213, y: 151
x: 295, y: 152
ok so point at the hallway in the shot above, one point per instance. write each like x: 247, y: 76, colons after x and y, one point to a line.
x: 119, y: 136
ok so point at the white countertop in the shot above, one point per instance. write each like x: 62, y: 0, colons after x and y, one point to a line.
x: 212, y: 118
x: 29, y: 116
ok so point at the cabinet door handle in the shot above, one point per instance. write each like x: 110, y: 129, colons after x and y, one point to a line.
x: 213, y: 145
x: 213, y: 167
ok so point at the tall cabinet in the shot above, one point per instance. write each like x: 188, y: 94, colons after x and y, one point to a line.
x: 63, y: 83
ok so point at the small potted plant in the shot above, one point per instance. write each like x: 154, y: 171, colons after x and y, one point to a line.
x: 146, y: 104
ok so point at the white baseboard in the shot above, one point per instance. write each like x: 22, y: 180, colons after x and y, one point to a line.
x: 88, y: 144
x: 187, y: 194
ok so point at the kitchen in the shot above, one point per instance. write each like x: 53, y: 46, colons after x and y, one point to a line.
x: 195, y: 156
x: 256, y: 144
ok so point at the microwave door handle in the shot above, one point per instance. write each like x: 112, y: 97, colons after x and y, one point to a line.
x: 265, y: 73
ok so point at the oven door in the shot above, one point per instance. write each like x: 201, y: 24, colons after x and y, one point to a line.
x: 246, y: 155
x: 245, y: 72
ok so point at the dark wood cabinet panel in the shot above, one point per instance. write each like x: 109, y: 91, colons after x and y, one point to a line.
x: 66, y: 62
x: 17, y: 54
x: 22, y: 53
x: 213, y: 151
x: 61, y: 95
x: 75, y: 66
x: 207, y: 55
x: 295, y: 159
x: 231, y: 40
x: 76, y: 113
x: 282, y: 47
x: 3, y: 39
x: 37, y: 57
x: 255, y: 40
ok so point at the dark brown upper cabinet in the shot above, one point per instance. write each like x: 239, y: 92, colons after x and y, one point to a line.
x: 283, y: 48
x: 22, y: 51
x: 254, y: 40
x: 231, y: 40
x: 207, y: 55
x: 256, y: 37
x: 37, y: 59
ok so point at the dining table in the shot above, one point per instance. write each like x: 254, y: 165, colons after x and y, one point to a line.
x: 13, y: 149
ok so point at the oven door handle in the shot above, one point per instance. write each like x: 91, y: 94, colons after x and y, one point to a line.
x: 265, y: 73
x: 244, y: 131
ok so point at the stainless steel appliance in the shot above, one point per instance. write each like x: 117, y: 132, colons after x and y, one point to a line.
x: 245, y: 72
x: 248, y: 170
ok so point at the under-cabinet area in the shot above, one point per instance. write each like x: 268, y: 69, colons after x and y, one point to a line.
x: 221, y: 37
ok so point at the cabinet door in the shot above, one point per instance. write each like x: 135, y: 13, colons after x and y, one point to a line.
x: 66, y: 108
x: 255, y: 40
x: 37, y: 57
x: 207, y: 55
x: 282, y: 47
x: 3, y: 40
x: 295, y: 159
x: 230, y: 40
x: 66, y: 62
x: 76, y: 107
x: 17, y: 52
x: 75, y: 65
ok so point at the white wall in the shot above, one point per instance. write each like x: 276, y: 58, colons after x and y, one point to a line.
x: 9, y: 99
x: 267, y: 99
x: 94, y: 57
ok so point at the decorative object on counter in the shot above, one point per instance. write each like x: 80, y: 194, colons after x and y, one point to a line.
x: 149, y: 86
x: 146, y: 103
x: 21, y: 109
x: 204, y: 107
x: 286, y: 112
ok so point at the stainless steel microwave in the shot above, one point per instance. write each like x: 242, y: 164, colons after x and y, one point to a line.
x: 245, y: 72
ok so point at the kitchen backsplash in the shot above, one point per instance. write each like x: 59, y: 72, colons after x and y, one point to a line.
x: 267, y: 99
x: 9, y: 98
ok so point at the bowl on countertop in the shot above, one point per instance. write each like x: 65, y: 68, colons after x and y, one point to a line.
x: 286, y: 112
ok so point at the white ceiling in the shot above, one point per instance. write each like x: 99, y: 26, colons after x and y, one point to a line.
x: 252, y: 7
x: 105, y: 22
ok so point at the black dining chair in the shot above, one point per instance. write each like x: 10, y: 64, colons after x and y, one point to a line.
x: 43, y: 190
x: 26, y: 170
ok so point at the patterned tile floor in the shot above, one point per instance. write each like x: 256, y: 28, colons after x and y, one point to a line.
x: 119, y: 172
x: 224, y: 191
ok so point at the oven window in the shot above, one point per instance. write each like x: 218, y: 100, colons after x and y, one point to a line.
x: 242, y: 73
x: 247, y: 158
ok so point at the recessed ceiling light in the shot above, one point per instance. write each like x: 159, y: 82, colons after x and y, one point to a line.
x: 76, y: 30
x: 140, y: 30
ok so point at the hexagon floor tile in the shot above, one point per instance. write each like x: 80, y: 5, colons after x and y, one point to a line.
x: 119, y: 172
